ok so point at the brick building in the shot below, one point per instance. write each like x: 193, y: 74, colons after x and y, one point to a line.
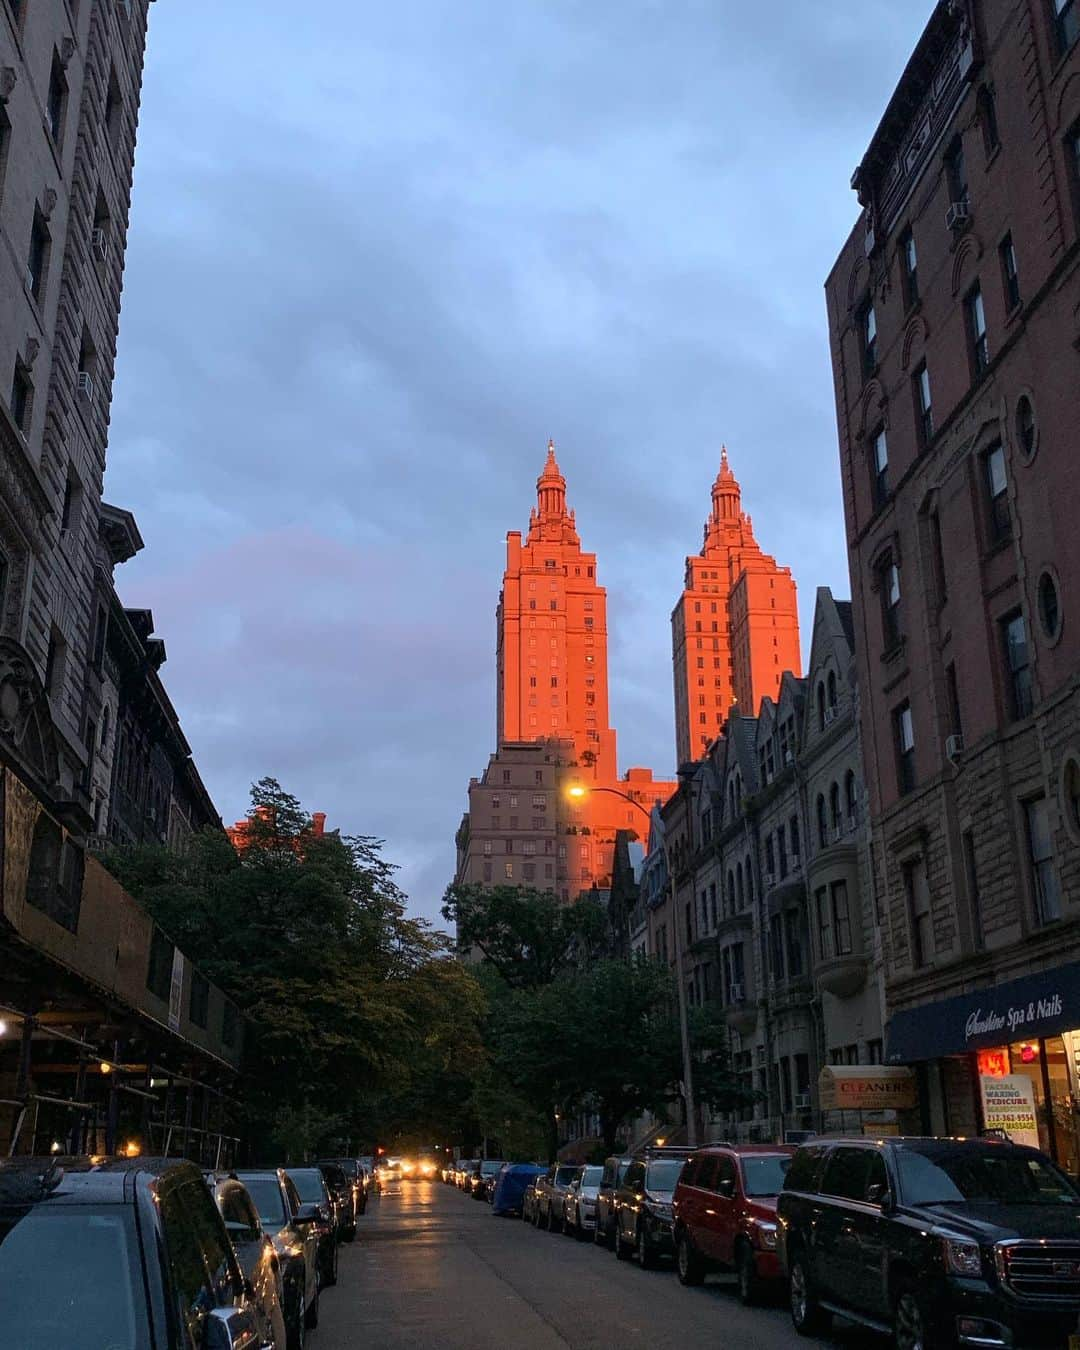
x: 735, y: 629
x: 954, y: 316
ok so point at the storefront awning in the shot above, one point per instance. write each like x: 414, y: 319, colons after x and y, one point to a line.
x: 866, y: 1087
x: 1037, y: 1005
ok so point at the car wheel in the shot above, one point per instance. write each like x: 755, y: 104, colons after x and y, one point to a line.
x: 599, y: 1236
x: 330, y: 1275
x: 645, y: 1253
x: 553, y: 1223
x: 688, y: 1262
x: 623, y: 1250
x: 568, y: 1226
x: 311, y: 1317
x: 911, y: 1329
x: 807, y: 1315
x: 746, y: 1270
x: 579, y: 1228
x: 350, y: 1233
x: 536, y: 1216
x: 297, y: 1332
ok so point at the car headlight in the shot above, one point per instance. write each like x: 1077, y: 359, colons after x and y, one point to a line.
x: 765, y: 1232
x: 962, y: 1257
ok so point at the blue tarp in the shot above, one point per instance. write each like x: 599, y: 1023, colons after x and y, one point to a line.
x: 513, y: 1182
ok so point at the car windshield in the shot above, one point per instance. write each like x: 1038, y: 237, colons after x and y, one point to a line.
x: 946, y: 1176
x: 765, y: 1175
x: 591, y: 1176
x: 663, y: 1174
x: 266, y: 1194
x: 565, y: 1175
x: 69, y: 1276
x: 310, y: 1185
x: 489, y: 1169
x: 621, y: 1172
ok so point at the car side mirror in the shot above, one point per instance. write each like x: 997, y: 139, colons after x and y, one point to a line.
x: 307, y: 1215
x: 726, y: 1188
x: 879, y: 1194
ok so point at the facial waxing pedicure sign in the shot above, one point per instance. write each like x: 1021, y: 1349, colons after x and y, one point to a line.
x: 1009, y: 1107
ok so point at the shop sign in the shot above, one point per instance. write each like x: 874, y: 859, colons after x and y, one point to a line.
x: 1027, y: 1009
x: 1009, y: 1107
x: 865, y: 1087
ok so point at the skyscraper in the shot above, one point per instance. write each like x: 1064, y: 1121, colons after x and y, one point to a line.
x: 552, y: 621
x: 735, y: 629
x: 524, y: 826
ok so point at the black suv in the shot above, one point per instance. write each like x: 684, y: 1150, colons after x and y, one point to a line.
x: 130, y: 1253
x: 941, y: 1241
x: 643, y: 1213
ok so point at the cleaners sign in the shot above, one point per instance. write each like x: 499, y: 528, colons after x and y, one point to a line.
x: 1009, y: 1107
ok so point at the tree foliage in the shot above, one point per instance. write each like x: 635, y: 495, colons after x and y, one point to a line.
x: 346, y: 999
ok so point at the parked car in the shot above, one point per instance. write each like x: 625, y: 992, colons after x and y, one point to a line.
x: 511, y: 1187
x: 482, y: 1175
x: 579, y: 1209
x: 610, y: 1181
x: 528, y: 1199
x: 551, y: 1190
x: 254, y: 1250
x: 389, y: 1172
x: 464, y: 1171
x: 725, y: 1214
x: 294, y: 1230
x: 105, y: 1254
x: 643, y: 1215
x: 939, y: 1241
x: 312, y: 1190
x: 354, y: 1170
x: 342, y: 1194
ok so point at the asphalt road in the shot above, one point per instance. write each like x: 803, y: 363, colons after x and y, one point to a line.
x: 432, y: 1268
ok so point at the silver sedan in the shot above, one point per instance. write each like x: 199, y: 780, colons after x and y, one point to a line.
x: 579, y: 1205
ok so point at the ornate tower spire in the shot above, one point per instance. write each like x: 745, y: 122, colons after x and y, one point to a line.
x: 726, y: 493
x: 551, y: 489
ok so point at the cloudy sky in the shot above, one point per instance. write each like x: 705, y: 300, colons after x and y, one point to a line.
x: 378, y: 256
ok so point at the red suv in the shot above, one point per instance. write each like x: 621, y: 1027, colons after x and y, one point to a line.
x: 725, y: 1214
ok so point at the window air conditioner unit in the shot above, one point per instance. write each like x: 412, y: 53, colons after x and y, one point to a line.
x: 954, y: 747
x: 86, y: 385
x: 830, y: 715
x: 802, y: 1101
x: 99, y: 242
x: 736, y: 993
x: 958, y: 215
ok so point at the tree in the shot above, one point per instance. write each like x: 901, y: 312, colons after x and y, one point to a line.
x: 345, y: 998
x: 527, y: 935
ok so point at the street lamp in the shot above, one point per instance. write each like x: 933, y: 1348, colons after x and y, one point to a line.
x: 578, y: 791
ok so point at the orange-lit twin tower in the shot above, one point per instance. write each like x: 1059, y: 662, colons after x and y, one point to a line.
x: 734, y: 631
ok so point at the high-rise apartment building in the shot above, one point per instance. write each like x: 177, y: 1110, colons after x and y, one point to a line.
x: 524, y: 825
x: 735, y: 629
x: 953, y: 315
x: 552, y: 634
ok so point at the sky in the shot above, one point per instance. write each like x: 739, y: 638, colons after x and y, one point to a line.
x: 377, y: 257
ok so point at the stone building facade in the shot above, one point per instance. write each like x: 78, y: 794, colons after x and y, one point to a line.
x: 775, y: 917
x: 954, y: 315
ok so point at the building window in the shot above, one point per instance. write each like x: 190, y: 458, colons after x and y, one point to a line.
x: 834, y: 809
x: 1018, y: 663
x: 822, y: 822
x: 1066, y: 23
x: 909, y: 260
x: 22, y: 392
x: 1027, y: 432
x: 841, y: 917
x: 987, y: 107
x: 199, y: 999
x: 919, y: 913
x: 38, y: 257
x: 508, y: 871
x: 923, y: 406
x: 1010, y: 278
x: 889, y: 590
x: 956, y: 172
x: 821, y: 706
x: 881, y: 468
x: 952, y: 688
x: 825, y: 926
x: 793, y: 943
x: 941, y: 581
x: 997, y: 490
x: 1049, y: 606
x: 56, y: 104
x: 776, y: 946
x: 1043, y: 877
x: 904, y: 731
x: 978, y: 346
x: 868, y: 338
x: 971, y: 880
x: 851, y: 799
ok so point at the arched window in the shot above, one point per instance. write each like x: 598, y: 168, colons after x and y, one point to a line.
x: 820, y: 706
x: 749, y: 884
x: 851, y: 795
x: 730, y: 892
x: 822, y: 821
x: 832, y: 689
x: 739, y: 897
x: 834, y: 805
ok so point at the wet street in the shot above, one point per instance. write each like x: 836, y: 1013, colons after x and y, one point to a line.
x: 432, y: 1268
